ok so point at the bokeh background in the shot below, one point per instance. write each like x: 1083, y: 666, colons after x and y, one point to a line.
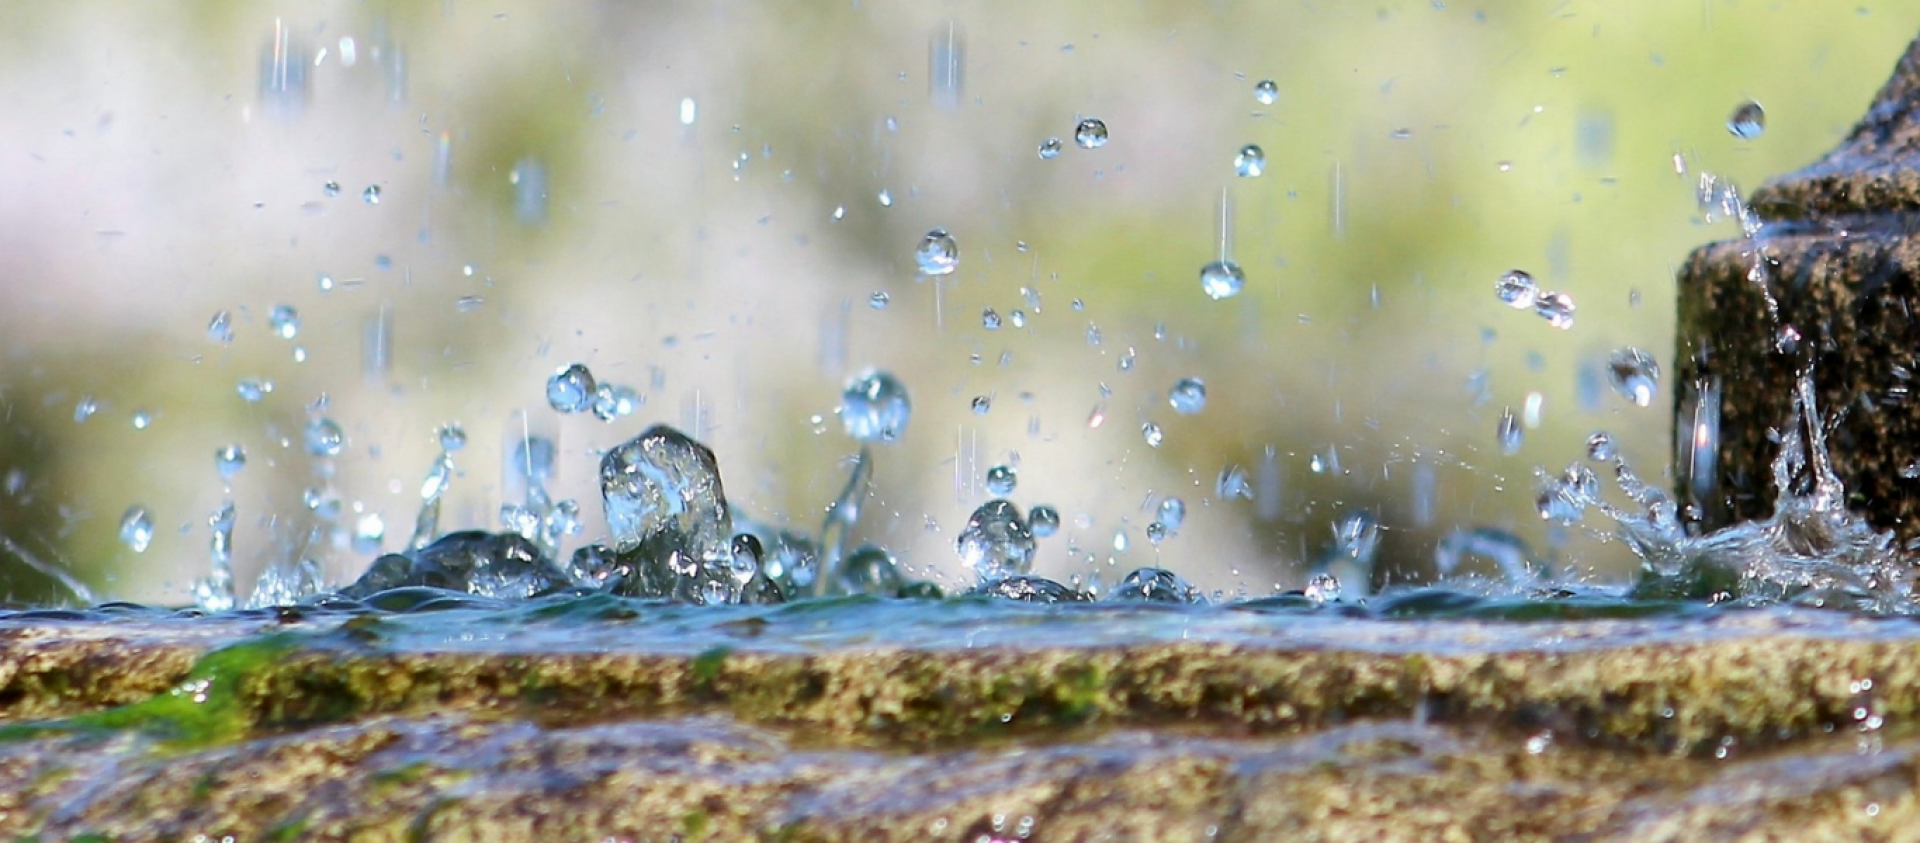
x: 686, y: 197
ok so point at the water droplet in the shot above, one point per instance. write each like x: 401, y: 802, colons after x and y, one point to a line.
x: 1222, y: 279
x: 689, y: 111
x: 453, y: 437
x: 324, y: 282
x: 878, y: 301
x: 325, y: 438
x: 1001, y: 479
x: 1188, y: 396
x: 253, y: 390
x: 839, y: 213
x: 1557, y: 309
x: 368, y: 533
x: 1233, y: 484
x: 996, y: 543
x: 571, y: 389
x: 1043, y: 520
x: 1172, y: 513
x: 989, y: 319
x: 1050, y: 149
x: 1517, y: 289
x: 1091, y: 133
x: 1125, y: 362
x: 982, y: 404
x: 1634, y: 375
x: 1250, y: 162
x: 142, y: 420
x: 1156, y: 533
x: 1748, y: 121
x: 663, y: 498
x: 1323, y: 588
x: 136, y: 529
x: 1018, y: 318
x: 1154, y: 585
x: 229, y: 460
x: 85, y: 408
x: 1151, y: 432
x: 886, y: 198
x: 285, y: 321
x: 874, y: 407
x: 1265, y: 92
x: 1600, y: 447
x: 1508, y: 432
x: 371, y: 195
x: 220, y: 328
x: 331, y: 189
x: 937, y: 254
x: 870, y: 569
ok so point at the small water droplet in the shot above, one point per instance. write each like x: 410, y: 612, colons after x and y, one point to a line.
x: 937, y: 254
x: 689, y: 111
x: 1152, y: 433
x: 368, y: 532
x: 136, y: 529
x: 886, y: 198
x: 325, y: 438
x: 85, y: 408
x: 324, y: 282
x: 1050, y: 149
x: 220, y: 328
x: 839, y: 212
x: 1126, y: 360
x: 571, y: 389
x: 874, y: 407
x: 1517, y: 290
x: 1600, y: 447
x: 982, y: 404
x: 285, y: 321
x: 371, y: 195
x: 1222, y: 279
x: 1323, y: 588
x: 453, y: 437
x: 1508, y: 432
x: 331, y: 189
x: 1172, y: 513
x: 1043, y: 521
x: 1748, y: 121
x: 1001, y: 479
x: 253, y: 390
x: 1017, y: 318
x: 229, y: 460
x: 1634, y: 375
x: 1233, y: 484
x: 1188, y: 396
x: 879, y: 300
x: 142, y: 420
x: 1250, y: 162
x: 989, y: 319
x: 1557, y: 309
x: 1091, y: 133
x: 1265, y: 92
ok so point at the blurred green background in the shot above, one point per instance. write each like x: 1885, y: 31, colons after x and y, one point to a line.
x: 651, y: 189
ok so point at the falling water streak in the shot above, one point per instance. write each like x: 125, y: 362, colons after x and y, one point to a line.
x: 946, y: 67
x: 841, y: 517
x: 376, y: 345
x: 426, y: 525
x: 79, y: 589
x: 1339, y: 200
x: 1226, y: 226
x: 215, y: 593
x: 1700, y: 442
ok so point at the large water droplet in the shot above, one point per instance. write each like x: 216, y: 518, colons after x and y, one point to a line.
x: 937, y: 254
x: 136, y: 529
x: 285, y: 321
x: 229, y: 460
x: 1222, y: 279
x: 1516, y: 289
x: 1188, y: 396
x: 996, y: 543
x: 1001, y: 479
x: 570, y: 390
x: 874, y: 407
x: 1250, y: 162
x: 1172, y: 513
x: 1050, y: 149
x: 325, y: 438
x: 1265, y: 92
x: 664, y: 499
x: 1154, y: 585
x: 1748, y: 121
x: 1508, y: 432
x: 1634, y: 375
x: 1323, y: 588
x: 1091, y: 133
x: 870, y: 569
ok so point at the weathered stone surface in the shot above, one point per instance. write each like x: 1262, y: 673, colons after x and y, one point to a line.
x: 1258, y: 727
x: 1840, y: 260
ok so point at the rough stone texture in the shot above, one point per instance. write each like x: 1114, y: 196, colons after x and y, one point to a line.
x: 1352, y: 730
x: 1840, y: 257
